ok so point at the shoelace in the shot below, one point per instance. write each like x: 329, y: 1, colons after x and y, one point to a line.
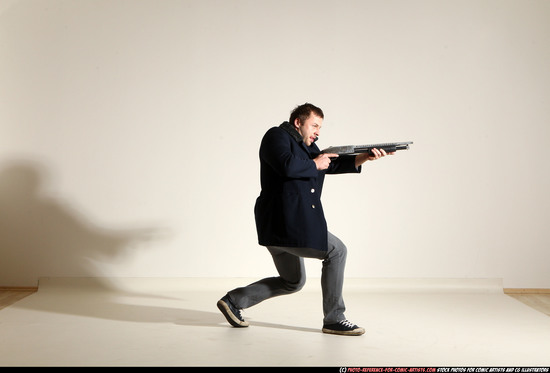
x: 239, y: 315
x: 346, y: 323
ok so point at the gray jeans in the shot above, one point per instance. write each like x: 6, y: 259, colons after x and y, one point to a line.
x: 289, y: 262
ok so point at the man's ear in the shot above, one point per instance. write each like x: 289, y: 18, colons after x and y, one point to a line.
x: 297, y: 123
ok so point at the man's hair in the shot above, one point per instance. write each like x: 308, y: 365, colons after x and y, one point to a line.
x: 303, y: 112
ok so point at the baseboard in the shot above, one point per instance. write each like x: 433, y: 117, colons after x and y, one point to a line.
x: 526, y: 291
x: 506, y: 290
x: 19, y: 288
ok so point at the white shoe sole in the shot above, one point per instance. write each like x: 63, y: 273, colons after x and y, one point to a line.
x: 356, y: 331
x: 229, y: 316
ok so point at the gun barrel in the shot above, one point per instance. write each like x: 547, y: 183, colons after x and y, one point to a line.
x: 356, y: 149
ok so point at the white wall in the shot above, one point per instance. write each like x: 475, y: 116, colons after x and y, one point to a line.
x: 129, y: 132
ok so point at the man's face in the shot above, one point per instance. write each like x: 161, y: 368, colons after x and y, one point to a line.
x: 310, y: 129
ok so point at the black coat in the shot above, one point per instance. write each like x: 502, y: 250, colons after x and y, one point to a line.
x: 288, y: 211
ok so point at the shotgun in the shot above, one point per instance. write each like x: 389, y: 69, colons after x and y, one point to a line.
x: 389, y: 147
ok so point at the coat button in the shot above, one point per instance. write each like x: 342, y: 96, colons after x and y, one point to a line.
x: 312, y: 206
x: 312, y: 190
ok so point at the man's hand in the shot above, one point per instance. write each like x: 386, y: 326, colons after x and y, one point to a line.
x: 376, y: 154
x: 323, y: 160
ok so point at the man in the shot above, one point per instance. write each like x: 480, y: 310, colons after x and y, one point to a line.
x: 290, y: 220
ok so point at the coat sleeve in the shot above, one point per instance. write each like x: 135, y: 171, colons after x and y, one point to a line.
x: 344, y: 164
x: 276, y: 151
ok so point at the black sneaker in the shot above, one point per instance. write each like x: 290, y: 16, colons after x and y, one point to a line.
x: 231, y: 313
x: 343, y: 327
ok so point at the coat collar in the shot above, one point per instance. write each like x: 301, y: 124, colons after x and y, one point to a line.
x: 291, y: 131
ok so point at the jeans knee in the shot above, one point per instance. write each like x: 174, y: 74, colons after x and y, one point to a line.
x: 293, y: 287
x: 338, y: 251
x: 336, y: 254
x: 343, y: 250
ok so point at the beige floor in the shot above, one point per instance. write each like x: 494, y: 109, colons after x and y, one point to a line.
x: 174, y: 322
